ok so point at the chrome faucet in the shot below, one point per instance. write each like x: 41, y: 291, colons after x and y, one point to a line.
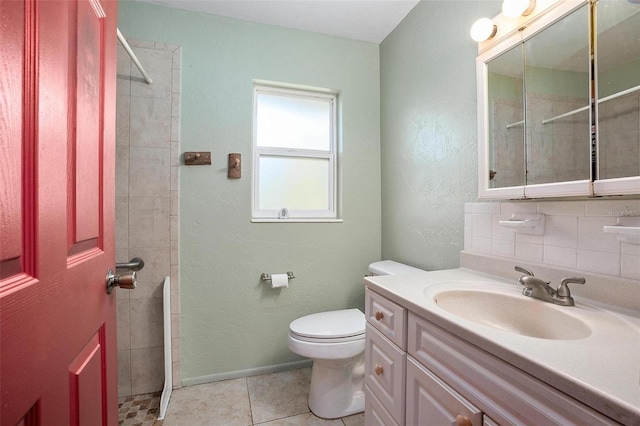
x: 542, y: 290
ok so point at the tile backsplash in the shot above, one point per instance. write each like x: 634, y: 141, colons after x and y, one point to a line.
x: 573, y: 236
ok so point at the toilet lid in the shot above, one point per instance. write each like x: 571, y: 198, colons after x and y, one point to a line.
x: 330, y: 325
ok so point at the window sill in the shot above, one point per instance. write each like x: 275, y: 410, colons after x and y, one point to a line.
x: 300, y: 220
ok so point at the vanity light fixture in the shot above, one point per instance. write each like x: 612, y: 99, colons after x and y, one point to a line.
x: 517, y: 8
x: 483, y: 29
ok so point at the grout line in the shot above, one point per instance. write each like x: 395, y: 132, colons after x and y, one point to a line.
x: 246, y: 383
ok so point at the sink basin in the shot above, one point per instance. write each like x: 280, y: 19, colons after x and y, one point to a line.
x: 513, y: 313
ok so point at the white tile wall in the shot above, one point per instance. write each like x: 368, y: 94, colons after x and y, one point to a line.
x: 573, y: 236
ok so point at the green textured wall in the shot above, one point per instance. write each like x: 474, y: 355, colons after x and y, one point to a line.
x: 231, y: 321
x: 429, y: 131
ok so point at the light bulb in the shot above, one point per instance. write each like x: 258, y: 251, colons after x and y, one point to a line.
x: 483, y: 29
x: 516, y: 8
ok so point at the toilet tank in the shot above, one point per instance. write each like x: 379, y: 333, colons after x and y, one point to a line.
x: 389, y: 267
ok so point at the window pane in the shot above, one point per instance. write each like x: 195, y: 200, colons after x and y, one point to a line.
x: 296, y: 183
x: 290, y: 122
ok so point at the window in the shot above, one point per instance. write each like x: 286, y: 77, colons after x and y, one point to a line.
x: 294, y: 142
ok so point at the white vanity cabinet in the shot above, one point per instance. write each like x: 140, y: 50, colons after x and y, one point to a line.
x: 429, y: 376
x: 385, y: 361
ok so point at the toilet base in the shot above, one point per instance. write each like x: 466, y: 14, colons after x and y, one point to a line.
x: 337, y: 387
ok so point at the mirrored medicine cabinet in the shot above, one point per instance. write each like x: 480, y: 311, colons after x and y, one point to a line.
x: 559, y: 103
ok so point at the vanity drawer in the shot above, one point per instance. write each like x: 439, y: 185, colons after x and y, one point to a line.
x: 502, y: 391
x: 384, y: 372
x: 374, y: 413
x: 430, y: 401
x: 388, y: 317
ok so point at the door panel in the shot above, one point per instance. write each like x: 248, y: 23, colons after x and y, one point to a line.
x: 57, y: 127
x: 85, y: 84
x: 17, y: 124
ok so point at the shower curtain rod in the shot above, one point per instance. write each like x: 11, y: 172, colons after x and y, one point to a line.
x: 135, y: 60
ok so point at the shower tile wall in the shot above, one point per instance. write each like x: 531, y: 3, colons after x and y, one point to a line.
x: 557, y: 151
x: 619, y: 137
x: 147, y: 160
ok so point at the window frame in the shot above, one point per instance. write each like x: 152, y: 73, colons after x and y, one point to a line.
x: 271, y: 215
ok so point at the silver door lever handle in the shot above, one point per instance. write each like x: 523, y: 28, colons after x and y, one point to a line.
x: 134, y: 264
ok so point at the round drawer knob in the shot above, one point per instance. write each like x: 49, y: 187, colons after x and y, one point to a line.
x: 379, y: 315
x: 378, y: 369
x: 463, y: 421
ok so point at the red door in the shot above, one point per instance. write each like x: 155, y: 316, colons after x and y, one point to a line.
x: 57, y: 129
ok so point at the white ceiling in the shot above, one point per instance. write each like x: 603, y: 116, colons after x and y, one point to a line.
x: 365, y: 20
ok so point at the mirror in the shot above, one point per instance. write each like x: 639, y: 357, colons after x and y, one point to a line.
x: 557, y: 83
x: 618, y: 77
x: 552, y: 119
x: 506, y: 119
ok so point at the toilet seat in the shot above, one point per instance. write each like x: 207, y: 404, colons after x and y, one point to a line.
x: 329, y: 327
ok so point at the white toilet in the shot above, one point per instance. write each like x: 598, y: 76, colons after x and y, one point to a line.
x: 335, y: 342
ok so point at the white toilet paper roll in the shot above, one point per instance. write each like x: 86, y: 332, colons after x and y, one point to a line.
x: 279, y: 280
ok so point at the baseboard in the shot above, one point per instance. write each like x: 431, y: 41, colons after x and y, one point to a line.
x: 191, y: 381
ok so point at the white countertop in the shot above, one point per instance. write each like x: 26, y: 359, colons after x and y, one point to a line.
x: 601, y: 370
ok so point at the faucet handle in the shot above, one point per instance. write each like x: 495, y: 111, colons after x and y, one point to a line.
x: 523, y: 270
x: 563, y: 289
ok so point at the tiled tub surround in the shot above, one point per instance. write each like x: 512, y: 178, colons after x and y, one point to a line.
x: 148, y: 152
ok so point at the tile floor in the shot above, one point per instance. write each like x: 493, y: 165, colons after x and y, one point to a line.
x: 278, y: 399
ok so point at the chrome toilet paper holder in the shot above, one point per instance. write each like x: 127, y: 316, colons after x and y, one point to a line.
x: 267, y: 277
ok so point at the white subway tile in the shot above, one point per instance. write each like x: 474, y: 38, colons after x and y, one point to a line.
x: 592, y: 237
x: 485, y: 208
x: 530, y: 239
x: 468, y: 223
x: 510, y: 208
x: 503, y: 248
x: 532, y: 252
x: 600, y: 262
x: 560, y: 256
x: 630, y: 267
x: 467, y: 238
x: 481, y: 225
x: 562, y: 208
x: 630, y: 249
x: 561, y: 231
x: 481, y: 245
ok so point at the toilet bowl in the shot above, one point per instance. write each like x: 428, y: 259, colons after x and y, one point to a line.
x: 335, y: 341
